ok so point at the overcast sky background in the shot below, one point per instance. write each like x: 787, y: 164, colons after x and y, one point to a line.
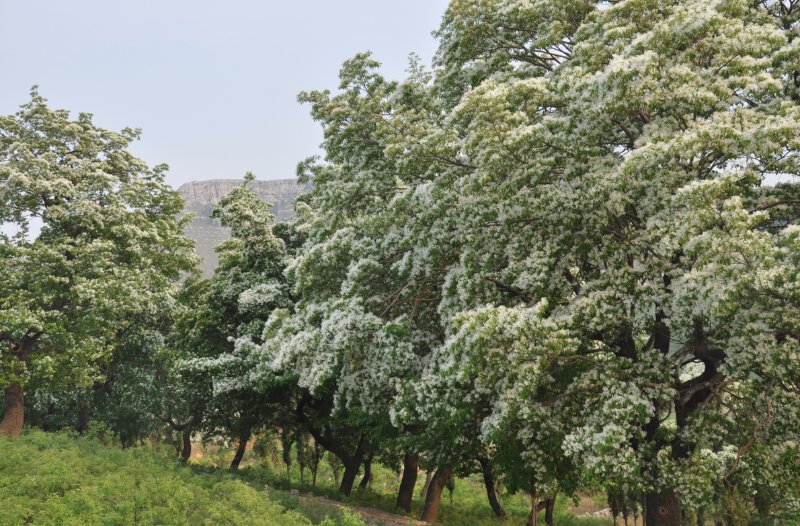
x: 213, y: 85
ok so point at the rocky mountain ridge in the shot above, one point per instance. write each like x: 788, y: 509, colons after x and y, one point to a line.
x: 200, y: 197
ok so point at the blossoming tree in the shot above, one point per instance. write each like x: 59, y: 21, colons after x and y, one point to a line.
x: 108, y: 245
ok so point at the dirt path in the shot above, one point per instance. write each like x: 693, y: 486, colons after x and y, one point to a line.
x: 372, y: 516
x: 375, y: 517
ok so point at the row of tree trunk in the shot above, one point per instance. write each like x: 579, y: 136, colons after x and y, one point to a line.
x: 659, y: 509
x: 431, y: 492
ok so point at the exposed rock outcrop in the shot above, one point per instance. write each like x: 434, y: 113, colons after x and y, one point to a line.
x: 201, y: 197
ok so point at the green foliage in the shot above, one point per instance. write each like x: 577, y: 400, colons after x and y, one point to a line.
x: 109, y: 251
x: 234, y: 303
x: 349, y: 518
x: 575, y: 219
x: 733, y: 510
x: 53, y: 479
x: 266, y: 448
x: 468, y: 507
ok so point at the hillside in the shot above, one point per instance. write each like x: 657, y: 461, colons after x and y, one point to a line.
x: 201, y: 197
x: 57, y: 479
x: 86, y: 481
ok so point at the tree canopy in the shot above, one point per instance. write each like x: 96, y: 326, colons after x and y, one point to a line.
x: 566, y: 256
x: 109, y: 247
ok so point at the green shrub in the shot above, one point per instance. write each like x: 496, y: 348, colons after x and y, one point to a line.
x: 349, y: 518
x: 54, y: 479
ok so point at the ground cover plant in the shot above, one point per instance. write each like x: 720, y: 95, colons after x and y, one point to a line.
x: 464, y: 506
x: 61, y: 479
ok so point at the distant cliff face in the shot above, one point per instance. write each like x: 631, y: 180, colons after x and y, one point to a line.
x: 201, y: 197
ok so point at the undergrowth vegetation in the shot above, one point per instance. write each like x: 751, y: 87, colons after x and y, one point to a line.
x: 60, y: 480
x: 465, y: 505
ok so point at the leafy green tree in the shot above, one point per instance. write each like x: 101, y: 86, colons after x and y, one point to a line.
x: 595, y: 209
x: 623, y: 200
x: 109, y: 247
x: 126, y: 400
x: 234, y: 303
x: 346, y: 341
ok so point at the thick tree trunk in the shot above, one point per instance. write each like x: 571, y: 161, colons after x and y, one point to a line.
x: 367, y: 478
x: 186, y: 450
x: 240, y: 449
x: 13, y: 411
x: 663, y: 509
x: 433, y: 500
x: 550, y: 508
x: 406, y: 492
x: 351, y: 465
x: 349, y: 476
x: 14, y: 401
x: 330, y: 442
x: 491, y: 491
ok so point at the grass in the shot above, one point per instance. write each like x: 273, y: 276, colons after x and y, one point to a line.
x: 468, y: 506
x: 61, y: 480
x: 64, y: 480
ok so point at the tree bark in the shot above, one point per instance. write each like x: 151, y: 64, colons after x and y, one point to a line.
x: 701, y: 517
x: 643, y: 499
x: 186, y: 450
x: 240, y: 449
x: 324, y: 437
x: 491, y: 491
x: 83, y: 418
x: 367, y: 478
x: 424, y: 491
x: 550, y: 507
x: 349, y: 475
x: 538, y: 505
x: 406, y: 492
x: 433, y: 500
x: 14, y: 402
x: 663, y: 509
x: 317, y: 452
x: 13, y: 410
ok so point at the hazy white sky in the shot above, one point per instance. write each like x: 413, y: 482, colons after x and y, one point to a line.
x: 213, y: 85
